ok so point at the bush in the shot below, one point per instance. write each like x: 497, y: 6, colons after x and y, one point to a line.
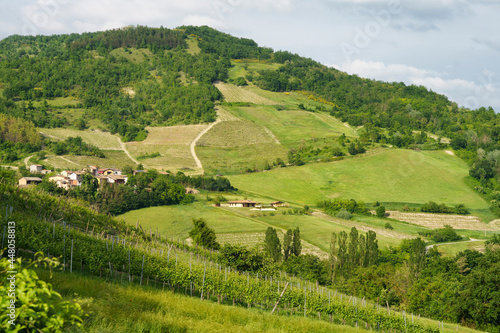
x: 388, y: 226
x: 344, y: 214
x: 39, y: 308
x: 380, y: 211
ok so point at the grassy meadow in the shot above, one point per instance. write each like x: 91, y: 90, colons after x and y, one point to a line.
x: 119, y: 307
x: 102, y: 140
x: 114, y: 158
x: 383, y: 175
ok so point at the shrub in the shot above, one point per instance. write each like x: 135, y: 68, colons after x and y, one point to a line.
x: 388, y: 226
x: 380, y: 211
x: 39, y: 308
x: 344, y: 214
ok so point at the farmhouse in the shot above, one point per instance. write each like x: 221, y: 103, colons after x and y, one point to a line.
x: 29, y: 181
x: 242, y: 203
x: 36, y: 168
x: 277, y: 204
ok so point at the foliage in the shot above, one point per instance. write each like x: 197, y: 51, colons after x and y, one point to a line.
x: 204, y: 236
x: 344, y: 214
x: 241, y: 258
x: 332, y: 207
x: 380, y: 211
x: 76, y: 146
x: 272, y: 244
x: 37, y: 306
x: 432, y: 207
x: 446, y: 234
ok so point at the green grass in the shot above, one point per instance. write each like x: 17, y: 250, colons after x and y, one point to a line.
x: 238, y: 68
x: 234, y: 160
x: 119, y: 307
x: 102, y: 140
x: 135, y: 55
x: 235, y: 134
x: 451, y: 250
x: 383, y: 175
x: 193, y: 47
x: 114, y: 158
x: 176, y: 221
x: 292, y: 127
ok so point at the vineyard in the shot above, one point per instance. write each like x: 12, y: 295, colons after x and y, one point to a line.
x: 84, y: 243
x: 233, y: 93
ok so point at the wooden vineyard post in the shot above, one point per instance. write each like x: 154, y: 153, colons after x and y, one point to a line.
x: 142, y: 269
x: 71, y: 264
x: 64, y: 252
x: 203, y: 284
x: 279, y: 299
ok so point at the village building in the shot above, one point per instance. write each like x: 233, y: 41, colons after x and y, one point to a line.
x: 36, y: 168
x: 277, y: 204
x: 25, y: 181
x: 242, y: 203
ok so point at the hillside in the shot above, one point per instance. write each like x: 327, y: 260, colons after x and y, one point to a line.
x: 393, y: 191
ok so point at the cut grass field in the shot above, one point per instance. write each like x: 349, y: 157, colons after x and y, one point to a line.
x: 176, y: 221
x: 120, y: 307
x: 236, y: 160
x: 235, y: 134
x: 384, y: 175
x: 173, y: 145
x: 102, y: 140
x: 114, y: 158
x: 233, y: 93
x: 292, y: 127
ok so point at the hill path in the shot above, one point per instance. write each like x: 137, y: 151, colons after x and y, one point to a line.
x: 193, y: 144
x: 124, y: 148
x: 27, y: 160
x: 427, y: 248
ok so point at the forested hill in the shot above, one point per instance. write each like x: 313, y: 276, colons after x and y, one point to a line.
x: 133, y: 77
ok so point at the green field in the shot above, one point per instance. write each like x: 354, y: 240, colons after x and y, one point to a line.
x: 395, y: 175
x: 102, y: 140
x: 176, y: 221
x: 114, y: 158
x: 119, y: 307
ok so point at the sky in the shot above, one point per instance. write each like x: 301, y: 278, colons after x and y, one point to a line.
x: 449, y: 46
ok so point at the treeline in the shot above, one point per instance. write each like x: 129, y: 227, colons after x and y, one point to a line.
x: 76, y: 146
x: 225, y: 45
x: 154, y: 39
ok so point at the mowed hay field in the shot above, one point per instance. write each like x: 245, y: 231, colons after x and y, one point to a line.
x: 100, y: 139
x: 114, y: 158
x: 172, y: 143
x: 390, y: 175
x: 294, y: 126
x: 235, y: 133
x: 233, y: 93
x: 435, y: 221
x: 176, y: 221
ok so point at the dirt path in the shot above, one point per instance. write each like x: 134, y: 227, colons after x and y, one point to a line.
x: 124, y: 148
x: 427, y: 248
x: 27, y: 160
x: 69, y: 161
x: 271, y: 134
x: 193, y: 144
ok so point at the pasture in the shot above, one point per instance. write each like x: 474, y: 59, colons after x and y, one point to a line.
x: 100, y: 139
x: 233, y: 93
x: 394, y: 175
x: 114, y: 158
x: 292, y: 127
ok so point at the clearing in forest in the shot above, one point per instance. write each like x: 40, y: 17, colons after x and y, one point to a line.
x: 233, y: 93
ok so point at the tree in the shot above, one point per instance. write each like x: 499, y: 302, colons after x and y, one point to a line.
x: 204, y: 236
x: 380, y: 211
x: 287, y: 244
x: 296, y: 243
x: 272, y: 244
